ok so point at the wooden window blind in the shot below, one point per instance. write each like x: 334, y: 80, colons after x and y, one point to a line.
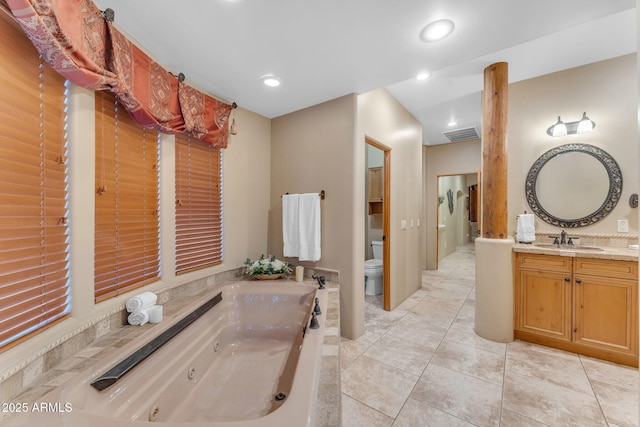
x: 34, y: 282
x: 199, y: 239
x: 126, y: 213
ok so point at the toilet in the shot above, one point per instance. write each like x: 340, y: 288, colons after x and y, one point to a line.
x: 373, y: 270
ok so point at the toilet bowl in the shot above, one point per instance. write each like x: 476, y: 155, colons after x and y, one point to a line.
x: 373, y: 270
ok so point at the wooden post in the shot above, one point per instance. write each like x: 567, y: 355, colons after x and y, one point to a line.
x: 494, y: 151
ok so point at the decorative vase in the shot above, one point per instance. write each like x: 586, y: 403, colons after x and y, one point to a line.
x: 267, y: 276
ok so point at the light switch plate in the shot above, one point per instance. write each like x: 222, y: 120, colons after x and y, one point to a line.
x: 623, y: 226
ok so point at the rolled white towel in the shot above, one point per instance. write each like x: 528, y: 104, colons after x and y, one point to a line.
x: 139, y: 317
x: 140, y: 301
x: 155, y: 314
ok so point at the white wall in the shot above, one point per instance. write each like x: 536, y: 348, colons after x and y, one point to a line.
x: 607, y: 92
x: 383, y: 119
x: 323, y: 147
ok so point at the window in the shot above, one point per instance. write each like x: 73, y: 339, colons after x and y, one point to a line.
x: 198, y: 204
x: 127, y: 219
x: 34, y: 283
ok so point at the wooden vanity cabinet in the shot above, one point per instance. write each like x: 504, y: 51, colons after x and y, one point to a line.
x: 585, y: 305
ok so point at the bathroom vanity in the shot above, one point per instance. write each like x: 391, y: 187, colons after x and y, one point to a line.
x: 578, y: 300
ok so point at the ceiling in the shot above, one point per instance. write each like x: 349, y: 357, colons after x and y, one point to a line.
x: 321, y: 50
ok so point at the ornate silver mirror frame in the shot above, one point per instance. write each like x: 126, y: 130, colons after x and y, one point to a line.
x: 610, y: 202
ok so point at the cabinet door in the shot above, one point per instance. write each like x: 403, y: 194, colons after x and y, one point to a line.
x: 606, y: 313
x: 543, y: 303
x: 376, y: 184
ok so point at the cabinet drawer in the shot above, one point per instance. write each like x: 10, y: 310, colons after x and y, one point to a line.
x: 543, y: 262
x: 606, y: 268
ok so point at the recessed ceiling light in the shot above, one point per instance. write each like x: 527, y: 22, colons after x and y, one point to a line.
x: 452, y: 123
x: 270, y: 81
x: 423, y: 76
x: 437, y: 30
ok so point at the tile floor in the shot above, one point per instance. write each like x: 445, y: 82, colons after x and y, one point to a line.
x: 422, y: 365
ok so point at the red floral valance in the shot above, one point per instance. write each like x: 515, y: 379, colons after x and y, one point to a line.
x: 76, y: 40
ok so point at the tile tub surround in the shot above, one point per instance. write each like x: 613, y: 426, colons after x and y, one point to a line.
x: 449, y: 376
x: 77, y: 354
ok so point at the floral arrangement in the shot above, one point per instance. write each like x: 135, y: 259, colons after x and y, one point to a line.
x: 269, y: 266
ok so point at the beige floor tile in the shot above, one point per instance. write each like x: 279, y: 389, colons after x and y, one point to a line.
x: 462, y: 332
x: 377, y: 385
x: 472, y: 361
x: 554, y: 366
x: 611, y: 373
x: 415, y: 328
x: 449, y: 289
x: 461, y: 384
x: 350, y: 350
x: 512, y: 419
x: 357, y: 414
x: 400, y: 353
x: 438, y: 311
x: 415, y: 414
x: 620, y: 405
x: 549, y: 403
x: 467, y: 312
x: 468, y: 398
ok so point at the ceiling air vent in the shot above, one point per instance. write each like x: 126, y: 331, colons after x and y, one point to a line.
x: 464, y: 134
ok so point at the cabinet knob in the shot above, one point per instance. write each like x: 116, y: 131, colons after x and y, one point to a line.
x: 578, y: 281
x: 567, y: 279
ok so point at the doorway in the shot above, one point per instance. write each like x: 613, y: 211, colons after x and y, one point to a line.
x: 456, y: 227
x: 378, y: 208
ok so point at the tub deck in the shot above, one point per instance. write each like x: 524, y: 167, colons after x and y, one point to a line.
x: 240, y: 356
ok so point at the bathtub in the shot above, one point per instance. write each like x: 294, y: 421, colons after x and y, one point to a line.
x: 250, y: 360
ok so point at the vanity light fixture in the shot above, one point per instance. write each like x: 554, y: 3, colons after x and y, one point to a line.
x: 437, y: 30
x: 584, y: 125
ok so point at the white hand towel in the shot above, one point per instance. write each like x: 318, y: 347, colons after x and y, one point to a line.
x: 145, y: 299
x: 525, y: 230
x: 139, y: 317
x: 155, y: 314
x: 290, y: 237
x: 309, y: 226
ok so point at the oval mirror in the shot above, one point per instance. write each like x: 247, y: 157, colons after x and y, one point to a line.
x: 573, y: 185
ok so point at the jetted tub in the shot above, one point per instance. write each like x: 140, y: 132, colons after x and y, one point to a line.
x: 250, y: 360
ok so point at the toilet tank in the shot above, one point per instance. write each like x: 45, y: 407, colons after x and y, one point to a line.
x: 377, y: 249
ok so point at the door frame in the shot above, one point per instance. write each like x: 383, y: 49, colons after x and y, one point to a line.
x: 386, y: 223
x: 438, y: 207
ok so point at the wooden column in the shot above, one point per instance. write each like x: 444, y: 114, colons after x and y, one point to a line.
x: 494, y: 151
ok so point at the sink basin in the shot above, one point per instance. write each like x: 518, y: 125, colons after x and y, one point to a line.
x: 578, y: 248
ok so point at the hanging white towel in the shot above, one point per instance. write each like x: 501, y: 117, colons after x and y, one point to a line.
x: 290, y: 227
x: 145, y: 299
x: 525, y: 230
x: 309, y: 226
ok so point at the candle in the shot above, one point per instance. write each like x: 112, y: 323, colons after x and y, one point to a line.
x: 299, y: 273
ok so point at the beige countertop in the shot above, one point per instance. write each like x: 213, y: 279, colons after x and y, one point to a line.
x: 603, y: 252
